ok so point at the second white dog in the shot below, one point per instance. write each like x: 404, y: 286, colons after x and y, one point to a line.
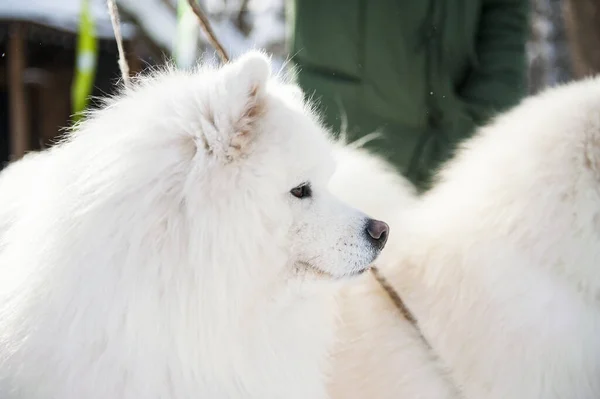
x: 499, y: 263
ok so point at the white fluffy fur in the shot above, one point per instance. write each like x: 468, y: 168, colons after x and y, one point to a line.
x: 499, y: 263
x: 158, y: 252
x: 378, y: 353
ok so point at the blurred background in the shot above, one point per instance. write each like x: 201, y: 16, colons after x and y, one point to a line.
x: 56, y: 56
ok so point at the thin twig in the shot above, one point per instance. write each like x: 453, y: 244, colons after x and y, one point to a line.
x: 116, y: 24
x: 212, y: 38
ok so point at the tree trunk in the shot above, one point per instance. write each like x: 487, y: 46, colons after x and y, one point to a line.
x: 583, y: 28
x: 19, y: 131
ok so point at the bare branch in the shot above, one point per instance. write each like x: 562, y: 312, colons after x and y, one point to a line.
x: 212, y: 38
x: 116, y: 24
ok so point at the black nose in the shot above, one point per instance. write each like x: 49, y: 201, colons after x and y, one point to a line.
x: 377, y: 233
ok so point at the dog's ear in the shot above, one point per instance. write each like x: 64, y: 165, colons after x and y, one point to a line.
x: 239, y: 105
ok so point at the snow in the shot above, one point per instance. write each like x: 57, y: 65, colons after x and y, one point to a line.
x: 266, y: 17
x: 155, y: 18
x: 159, y: 21
x: 62, y: 14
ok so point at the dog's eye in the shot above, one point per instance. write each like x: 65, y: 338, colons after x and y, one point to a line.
x: 302, y: 191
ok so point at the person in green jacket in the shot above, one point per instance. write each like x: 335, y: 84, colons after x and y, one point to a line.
x: 423, y: 73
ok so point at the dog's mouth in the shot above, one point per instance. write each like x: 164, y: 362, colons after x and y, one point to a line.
x: 308, y: 269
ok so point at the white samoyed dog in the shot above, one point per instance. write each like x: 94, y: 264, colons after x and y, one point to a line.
x: 182, y: 243
x: 499, y: 263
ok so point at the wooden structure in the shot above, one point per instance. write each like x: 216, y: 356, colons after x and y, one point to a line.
x: 583, y: 28
x: 37, y: 67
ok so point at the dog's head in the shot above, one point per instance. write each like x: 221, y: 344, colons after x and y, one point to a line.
x: 270, y: 155
x: 233, y: 168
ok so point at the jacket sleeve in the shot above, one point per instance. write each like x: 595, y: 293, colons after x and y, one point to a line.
x: 499, y: 78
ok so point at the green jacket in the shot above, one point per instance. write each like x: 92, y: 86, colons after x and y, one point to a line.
x: 424, y: 73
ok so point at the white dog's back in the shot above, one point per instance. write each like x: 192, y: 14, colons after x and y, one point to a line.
x: 508, y: 247
x: 499, y: 261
